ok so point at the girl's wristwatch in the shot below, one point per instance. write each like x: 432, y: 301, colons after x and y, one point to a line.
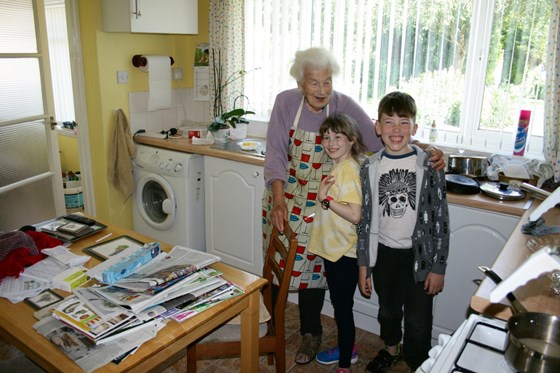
x: 326, y: 203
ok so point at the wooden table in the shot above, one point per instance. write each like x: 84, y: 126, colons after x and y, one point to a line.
x: 16, y: 324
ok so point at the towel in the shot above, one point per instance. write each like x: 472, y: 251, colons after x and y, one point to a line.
x: 121, y: 153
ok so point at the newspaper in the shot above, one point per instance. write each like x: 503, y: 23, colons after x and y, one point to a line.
x: 179, y: 263
x: 84, y: 352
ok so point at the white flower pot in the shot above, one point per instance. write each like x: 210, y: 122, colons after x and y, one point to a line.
x: 239, y: 132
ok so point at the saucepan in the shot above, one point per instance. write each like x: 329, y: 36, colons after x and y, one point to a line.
x: 533, y: 343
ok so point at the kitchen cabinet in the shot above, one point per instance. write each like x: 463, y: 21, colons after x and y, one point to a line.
x: 477, y: 237
x: 233, y: 208
x: 150, y: 16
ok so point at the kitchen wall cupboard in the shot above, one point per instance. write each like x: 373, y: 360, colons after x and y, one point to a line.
x: 477, y: 237
x: 233, y: 204
x: 150, y: 16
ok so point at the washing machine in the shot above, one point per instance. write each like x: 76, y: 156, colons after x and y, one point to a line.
x: 168, y: 197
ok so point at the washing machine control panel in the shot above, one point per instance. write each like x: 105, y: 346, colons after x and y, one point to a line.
x: 160, y: 162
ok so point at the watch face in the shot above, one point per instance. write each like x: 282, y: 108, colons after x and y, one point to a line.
x: 325, y: 204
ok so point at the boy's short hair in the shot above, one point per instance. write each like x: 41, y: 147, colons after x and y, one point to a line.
x: 399, y: 103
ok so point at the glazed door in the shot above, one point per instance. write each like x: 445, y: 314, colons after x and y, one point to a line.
x: 31, y: 188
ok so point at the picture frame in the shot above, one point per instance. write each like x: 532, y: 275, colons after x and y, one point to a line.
x: 105, y: 250
x: 44, y: 299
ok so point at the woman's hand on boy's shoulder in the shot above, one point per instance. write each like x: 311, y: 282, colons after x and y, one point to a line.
x: 437, y: 159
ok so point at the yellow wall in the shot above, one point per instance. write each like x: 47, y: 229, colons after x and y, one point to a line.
x: 103, y: 55
x: 69, y: 158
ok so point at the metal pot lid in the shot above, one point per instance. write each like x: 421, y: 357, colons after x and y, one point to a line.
x: 501, y: 191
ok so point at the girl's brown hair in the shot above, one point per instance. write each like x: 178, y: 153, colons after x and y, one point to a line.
x: 346, y: 125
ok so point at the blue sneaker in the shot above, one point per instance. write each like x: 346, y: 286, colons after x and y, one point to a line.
x: 331, y: 356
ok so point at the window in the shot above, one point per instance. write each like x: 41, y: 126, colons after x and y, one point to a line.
x: 472, y: 65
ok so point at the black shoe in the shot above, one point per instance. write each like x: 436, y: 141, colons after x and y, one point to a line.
x: 384, y: 360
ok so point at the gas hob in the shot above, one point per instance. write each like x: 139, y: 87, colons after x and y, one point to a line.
x: 478, y: 345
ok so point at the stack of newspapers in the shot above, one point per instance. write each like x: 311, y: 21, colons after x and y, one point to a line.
x: 129, y: 310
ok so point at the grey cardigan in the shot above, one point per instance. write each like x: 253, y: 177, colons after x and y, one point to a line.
x: 430, y: 239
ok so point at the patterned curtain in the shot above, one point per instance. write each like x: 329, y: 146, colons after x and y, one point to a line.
x: 227, y: 51
x: 552, y: 95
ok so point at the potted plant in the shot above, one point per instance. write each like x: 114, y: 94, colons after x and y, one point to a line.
x: 225, y: 121
x: 230, y: 119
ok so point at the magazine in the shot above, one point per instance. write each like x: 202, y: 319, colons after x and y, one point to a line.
x: 139, y: 301
x: 76, y: 314
x: 179, y: 263
x: 103, y: 307
x: 206, y: 301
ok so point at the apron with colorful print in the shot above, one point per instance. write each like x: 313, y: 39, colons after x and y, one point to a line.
x: 307, y: 163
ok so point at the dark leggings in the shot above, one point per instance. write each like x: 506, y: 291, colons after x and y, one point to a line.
x: 342, y: 277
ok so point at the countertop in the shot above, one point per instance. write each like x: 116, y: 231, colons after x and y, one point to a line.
x: 182, y: 144
x: 480, y: 201
x: 535, y: 295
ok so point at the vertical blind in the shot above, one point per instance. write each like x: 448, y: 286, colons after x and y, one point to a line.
x: 471, y: 65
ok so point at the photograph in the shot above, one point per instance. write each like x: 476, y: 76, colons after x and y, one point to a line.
x: 107, y: 249
x: 46, y: 298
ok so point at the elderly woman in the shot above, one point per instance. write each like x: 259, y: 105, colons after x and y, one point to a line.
x: 294, y: 166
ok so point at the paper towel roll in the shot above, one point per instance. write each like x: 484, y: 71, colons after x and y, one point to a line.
x: 159, y: 71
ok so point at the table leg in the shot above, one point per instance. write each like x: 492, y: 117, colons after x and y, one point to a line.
x: 250, y: 335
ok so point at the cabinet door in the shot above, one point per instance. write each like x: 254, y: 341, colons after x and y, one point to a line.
x: 165, y: 16
x: 151, y: 16
x: 477, y: 237
x: 233, y: 212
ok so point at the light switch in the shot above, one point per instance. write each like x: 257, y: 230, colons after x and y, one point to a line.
x: 122, y: 77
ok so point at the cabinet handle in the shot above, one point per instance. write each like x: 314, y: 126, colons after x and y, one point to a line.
x: 256, y: 174
x: 138, y: 13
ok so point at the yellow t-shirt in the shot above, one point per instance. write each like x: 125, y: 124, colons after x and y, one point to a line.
x: 331, y: 235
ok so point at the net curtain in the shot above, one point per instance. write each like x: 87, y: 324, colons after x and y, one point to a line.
x: 552, y: 96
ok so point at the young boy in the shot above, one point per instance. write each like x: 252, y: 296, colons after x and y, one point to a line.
x: 403, y: 236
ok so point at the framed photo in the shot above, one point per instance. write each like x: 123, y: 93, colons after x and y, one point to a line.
x: 45, y: 299
x: 107, y: 249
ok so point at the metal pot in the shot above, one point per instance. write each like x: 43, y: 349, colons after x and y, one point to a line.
x: 469, y: 165
x: 533, y: 343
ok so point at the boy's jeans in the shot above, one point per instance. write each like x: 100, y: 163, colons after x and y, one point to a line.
x: 393, y: 280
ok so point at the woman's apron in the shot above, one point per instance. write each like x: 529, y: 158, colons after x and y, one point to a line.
x: 307, y: 163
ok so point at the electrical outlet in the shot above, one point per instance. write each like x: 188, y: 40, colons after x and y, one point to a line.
x: 177, y: 73
x: 122, y: 77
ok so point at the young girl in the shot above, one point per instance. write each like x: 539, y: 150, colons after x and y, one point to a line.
x: 333, y: 236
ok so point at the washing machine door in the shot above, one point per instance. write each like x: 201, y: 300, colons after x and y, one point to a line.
x: 155, y: 201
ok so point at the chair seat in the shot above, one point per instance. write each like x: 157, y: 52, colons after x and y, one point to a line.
x: 230, y: 333
x: 232, y: 330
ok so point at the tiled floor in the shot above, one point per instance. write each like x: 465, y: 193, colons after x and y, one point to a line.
x: 368, y: 345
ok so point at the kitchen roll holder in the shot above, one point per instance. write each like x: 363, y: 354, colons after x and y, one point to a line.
x: 139, y: 60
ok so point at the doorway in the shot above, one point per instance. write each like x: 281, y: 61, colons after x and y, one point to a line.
x: 64, y: 42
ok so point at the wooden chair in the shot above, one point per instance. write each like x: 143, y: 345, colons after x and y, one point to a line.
x: 278, y: 262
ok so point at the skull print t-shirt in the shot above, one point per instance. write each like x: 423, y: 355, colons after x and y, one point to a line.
x: 397, y: 200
